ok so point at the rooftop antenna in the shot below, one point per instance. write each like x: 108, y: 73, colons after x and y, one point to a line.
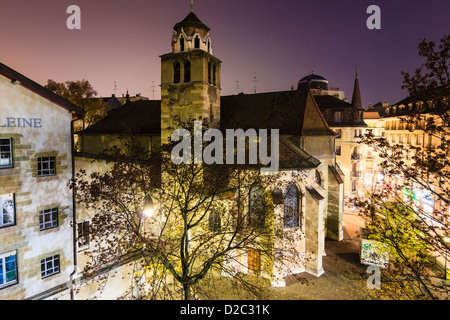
x: 153, y: 89
x: 237, y: 87
x: 115, y: 88
x: 255, y: 81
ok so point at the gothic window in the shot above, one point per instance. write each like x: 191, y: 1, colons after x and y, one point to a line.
x: 209, y: 72
x: 197, y: 42
x: 256, y: 206
x: 176, y: 72
x: 181, y: 44
x: 214, y: 74
x: 214, y: 221
x: 291, y: 206
x: 209, y: 46
x: 187, y: 72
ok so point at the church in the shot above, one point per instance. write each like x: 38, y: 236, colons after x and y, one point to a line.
x: 191, y: 89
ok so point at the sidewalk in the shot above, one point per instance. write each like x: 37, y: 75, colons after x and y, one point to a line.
x: 345, y: 278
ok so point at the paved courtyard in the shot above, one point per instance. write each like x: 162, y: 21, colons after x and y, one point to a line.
x: 345, y: 278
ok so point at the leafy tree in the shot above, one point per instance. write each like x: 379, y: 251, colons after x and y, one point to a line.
x: 393, y: 213
x: 82, y: 94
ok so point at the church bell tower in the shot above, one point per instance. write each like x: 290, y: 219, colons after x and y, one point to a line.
x: 190, y: 77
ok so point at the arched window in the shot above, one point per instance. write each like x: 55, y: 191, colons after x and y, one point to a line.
x: 214, y: 221
x: 214, y: 74
x: 209, y: 46
x: 209, y: 72
x: 187, y: 72
x: 176, y: 72
x: 197, y: 42
x: 256, y: 207
x: 181, y: 44
x: 291, y: 206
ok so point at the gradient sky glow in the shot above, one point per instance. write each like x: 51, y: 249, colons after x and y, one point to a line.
x: 278, y: 41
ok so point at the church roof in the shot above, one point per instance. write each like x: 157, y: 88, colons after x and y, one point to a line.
x: 292, y: 112
x: 292, y: 156
x: 138, y: 117
x: 191, y: 20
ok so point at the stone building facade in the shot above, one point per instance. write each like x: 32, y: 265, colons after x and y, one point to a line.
x: 36, y: 204
x: 347, y: 120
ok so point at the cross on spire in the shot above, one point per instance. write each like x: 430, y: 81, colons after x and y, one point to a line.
x: 192, y: 5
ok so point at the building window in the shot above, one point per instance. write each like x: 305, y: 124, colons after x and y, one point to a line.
x: 291, y: 207
x: 5, y: 153
x: 339, y: 133
x: 357, y: 133
x: 48, y: 218
x: 256, y: 207
x: 181, y: 44
x: 8, y: 269
x: 187, y: 72
x: 50, y: 266
x: 197, y: 42
x: 211, y: 114
x: 176, y: 72
x: 338, y: 116
x: 209, y: 72
x: 354, y: 185
x: 83, y: 234
x: 46, y: 166
x: 214, y: 74
x: 254, y: 259
x: 338, y: 150
x: 214, y: 221
x: 7, y: 216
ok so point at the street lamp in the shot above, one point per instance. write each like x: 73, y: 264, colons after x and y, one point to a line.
x: 149, y: 206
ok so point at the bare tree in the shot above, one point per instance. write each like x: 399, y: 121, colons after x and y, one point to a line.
x: 202, y: 222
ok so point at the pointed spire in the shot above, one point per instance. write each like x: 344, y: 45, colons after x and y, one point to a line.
x: 356, y: 98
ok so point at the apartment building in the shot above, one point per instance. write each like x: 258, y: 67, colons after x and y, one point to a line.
x: 36, y: 204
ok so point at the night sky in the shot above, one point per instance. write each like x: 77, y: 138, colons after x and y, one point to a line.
x: 279, y: 42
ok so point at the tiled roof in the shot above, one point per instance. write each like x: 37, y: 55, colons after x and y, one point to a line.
x: 191, y: 20
x: 138, y: 117
x: 292, y: 112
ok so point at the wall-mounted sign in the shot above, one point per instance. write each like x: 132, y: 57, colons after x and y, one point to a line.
x: 13, y: 122
x: 374, y: 253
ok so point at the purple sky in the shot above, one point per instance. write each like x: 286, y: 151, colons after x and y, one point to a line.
x: 279, y: 41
